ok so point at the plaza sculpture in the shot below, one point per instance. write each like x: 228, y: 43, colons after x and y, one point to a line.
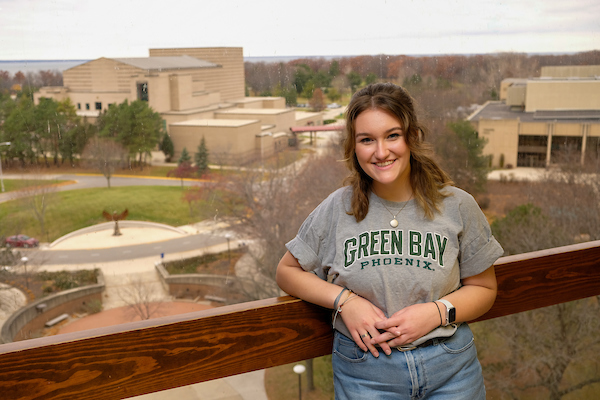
x: 115, y: 217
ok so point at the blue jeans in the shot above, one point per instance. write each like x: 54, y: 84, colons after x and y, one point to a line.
x: 446, y: 369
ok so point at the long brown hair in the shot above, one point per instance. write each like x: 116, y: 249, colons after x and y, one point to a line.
x: 426, y: 177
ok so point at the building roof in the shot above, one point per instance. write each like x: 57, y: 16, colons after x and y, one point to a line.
x: 215, y: 123
x: 166, y: 63
x: 317, y: 128
x: 499, y: 110
x: 256, y: 111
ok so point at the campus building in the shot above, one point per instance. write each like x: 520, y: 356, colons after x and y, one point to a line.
x: 199, y: 92
x: 543, y: 121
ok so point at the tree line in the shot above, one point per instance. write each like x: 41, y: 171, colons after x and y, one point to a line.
x: 28, y: 82
x: 51, y: 132
x: 336, y: 76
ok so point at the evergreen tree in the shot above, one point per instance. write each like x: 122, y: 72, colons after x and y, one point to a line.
x: 201, y: 158
x: 185, y: 157
x: 134, y: 125
x: 460, y: 150
x: 354, y: 79
x: 167, y: 147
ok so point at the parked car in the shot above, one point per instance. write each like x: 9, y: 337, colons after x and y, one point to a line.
x: 21, y: 241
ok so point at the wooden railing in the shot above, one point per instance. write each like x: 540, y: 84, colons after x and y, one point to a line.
x: 142, y: 357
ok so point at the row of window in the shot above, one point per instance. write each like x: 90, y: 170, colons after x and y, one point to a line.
x: 142, y: 94
x: 98, y: 106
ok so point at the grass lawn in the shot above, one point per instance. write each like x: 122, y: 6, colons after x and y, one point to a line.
x: 281, y: 383
x: 72, y: 210
x: 18, y: 184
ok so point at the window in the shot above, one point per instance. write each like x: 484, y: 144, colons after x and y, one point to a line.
x: 87, y: 106
x: 79, y: 106
x: 142, y: 91
x: 98, y: 106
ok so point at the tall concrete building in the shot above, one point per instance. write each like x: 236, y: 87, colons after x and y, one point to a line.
x: 199, y: 92
x: 539, y: 120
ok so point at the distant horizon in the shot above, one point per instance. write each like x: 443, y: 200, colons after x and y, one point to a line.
x: 295, y: 57
x: 14, y: 66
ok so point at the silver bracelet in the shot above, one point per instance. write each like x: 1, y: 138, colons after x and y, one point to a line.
x: 337, y: 299
x: 339, y: 309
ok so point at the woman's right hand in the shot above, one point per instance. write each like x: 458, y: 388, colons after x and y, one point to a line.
x: 359, y: 316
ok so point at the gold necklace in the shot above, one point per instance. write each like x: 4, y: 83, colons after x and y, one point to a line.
x: 394, y: 221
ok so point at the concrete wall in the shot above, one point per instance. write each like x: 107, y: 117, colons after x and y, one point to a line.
x: 202, y: 286
x: 562, y: 95
x: 502, y: 139
x: 279, y: 119
x: 58, y: 93
x: 515, y: 95
x: 185, y: 95
x: 27, y: 321
x: 229, y: 80
x: 264, y: 145
x: 227, y: 141
x: 570, y: 71
x: 304, y: 118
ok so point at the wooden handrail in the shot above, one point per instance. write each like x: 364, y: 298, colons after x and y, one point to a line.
x: 142, y: 357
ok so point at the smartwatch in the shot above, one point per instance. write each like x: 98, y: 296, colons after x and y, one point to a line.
x: 450, y: 312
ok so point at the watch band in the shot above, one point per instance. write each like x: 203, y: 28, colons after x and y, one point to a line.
x: 450, y: 312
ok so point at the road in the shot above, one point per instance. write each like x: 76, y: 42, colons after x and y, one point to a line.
x: 179, y: 245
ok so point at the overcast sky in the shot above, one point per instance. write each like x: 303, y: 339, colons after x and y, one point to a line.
x: 84, y: 29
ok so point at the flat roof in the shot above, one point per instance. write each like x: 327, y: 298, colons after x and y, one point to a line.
x: 166, y: 63
x: 252, y: 99
x: 499, y: 110
x: 228, y: 123
x: 257, y: 111
x: 306, y: 114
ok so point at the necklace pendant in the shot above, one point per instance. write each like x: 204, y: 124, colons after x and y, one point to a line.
x: 394, y: 223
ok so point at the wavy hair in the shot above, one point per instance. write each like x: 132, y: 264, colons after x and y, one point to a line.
x: 426, y: 177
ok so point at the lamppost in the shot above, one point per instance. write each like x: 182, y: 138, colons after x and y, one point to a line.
x: 2, y: 180
x: 24, y: 261
x: 299, y: 369
x: 228, y: 237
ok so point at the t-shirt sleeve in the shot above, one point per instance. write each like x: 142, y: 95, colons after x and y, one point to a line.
x: 314, y: 245
x: 478, y: 247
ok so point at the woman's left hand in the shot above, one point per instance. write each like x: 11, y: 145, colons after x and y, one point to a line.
x: 407, y: 325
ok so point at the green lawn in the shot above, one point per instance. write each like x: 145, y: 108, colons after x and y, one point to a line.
x: 18, y: 184
x: 71, y: 210
x: 281, y: 383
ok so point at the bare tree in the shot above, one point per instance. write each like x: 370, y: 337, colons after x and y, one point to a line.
x: 141, y: 297
x: 270, y: 205
x: 38, y: 198
x: 542, y: 350
x: 105, y: 155
x: 550, y: 352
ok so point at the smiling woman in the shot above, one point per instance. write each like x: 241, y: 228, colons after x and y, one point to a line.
x: 404, y: 288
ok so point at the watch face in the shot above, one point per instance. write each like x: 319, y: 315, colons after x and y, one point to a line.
x: 451, y: 315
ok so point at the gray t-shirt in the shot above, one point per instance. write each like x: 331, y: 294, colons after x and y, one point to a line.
x: 419, y: 261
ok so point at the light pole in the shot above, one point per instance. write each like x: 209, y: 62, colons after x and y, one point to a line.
x: 24, y: 261
x: 228, y: 237
x: 299, y: 369
x: 2, y: 180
